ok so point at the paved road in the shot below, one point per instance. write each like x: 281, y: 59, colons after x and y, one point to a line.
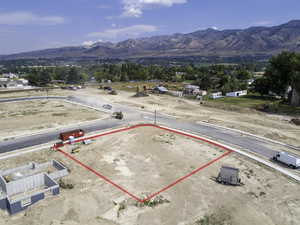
x: 228, y: 137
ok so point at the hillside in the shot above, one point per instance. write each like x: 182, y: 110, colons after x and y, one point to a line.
x: 209, y: 42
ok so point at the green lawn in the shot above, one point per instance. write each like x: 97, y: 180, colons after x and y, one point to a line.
x: 255, y: 101
x: 249, y: 101
x: 131, y: 86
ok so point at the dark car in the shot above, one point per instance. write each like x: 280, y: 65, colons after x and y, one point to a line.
x: 107, y: 88
x: 107, y: 106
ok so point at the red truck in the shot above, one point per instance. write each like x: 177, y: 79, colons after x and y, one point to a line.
x: 74, y: 133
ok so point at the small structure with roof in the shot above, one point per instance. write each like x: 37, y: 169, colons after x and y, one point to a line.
x: 229, y: 175
x: 236, y: 93
x: 216, y: 95
x: 191, y: 89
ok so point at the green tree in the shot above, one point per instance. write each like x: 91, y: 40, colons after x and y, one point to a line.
x: 73, y: 76
x: 284, y: 71
x: 262, y: 85
x: 100, y: 76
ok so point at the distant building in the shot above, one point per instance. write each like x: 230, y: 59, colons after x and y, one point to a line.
x: 236, y: 93
x: 202, y: 92
x: 216, y: 95
x: 13, y: 83
x: 176, y: 93
x: 180, y: 73
x: 191, y: 89
x: 10, y: 75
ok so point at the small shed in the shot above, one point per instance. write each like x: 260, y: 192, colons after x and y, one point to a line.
x: 229, y: 175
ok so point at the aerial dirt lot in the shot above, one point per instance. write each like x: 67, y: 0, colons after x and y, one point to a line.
x: 275, y: 127
x: 52, y: 92
x: 18, y: 118
x: 143, y: 161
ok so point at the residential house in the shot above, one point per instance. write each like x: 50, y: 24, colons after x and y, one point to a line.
x: 216, y: 95
x: 191, y: 89
x: 10, y: 83
x: 236, y: 93
x: 10, y: 75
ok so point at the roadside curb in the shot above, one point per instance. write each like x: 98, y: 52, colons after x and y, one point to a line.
x: 241, y: 152
x: 249, y: 134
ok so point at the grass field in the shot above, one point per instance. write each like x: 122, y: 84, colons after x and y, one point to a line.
x: 132, y: 86
x: 255, y: 101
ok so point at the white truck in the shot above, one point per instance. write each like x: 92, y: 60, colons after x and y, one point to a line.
x: 288, y: 159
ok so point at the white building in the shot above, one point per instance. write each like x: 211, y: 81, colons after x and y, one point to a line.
x: 10, y: 83
x: 216, y: 95
x: 10, y: 75
x: 191, y: 89
x: 236, y: 93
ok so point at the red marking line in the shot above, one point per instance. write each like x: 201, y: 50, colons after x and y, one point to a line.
x: 186, y: 176
x: 228, y: 151
x: 99, y: 175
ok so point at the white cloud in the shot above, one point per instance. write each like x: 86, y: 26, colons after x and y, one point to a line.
x: 23, y: 18
x: 135, y: 8
x: 125, y: 32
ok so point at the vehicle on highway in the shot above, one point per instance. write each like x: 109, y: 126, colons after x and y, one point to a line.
x: 107, y: 106
x: 288, y: 159
x: 73, y: 133
x: 118, y: 115
x: 107, y: 88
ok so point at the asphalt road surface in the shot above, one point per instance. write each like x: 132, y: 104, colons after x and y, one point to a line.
x: 233, y: 138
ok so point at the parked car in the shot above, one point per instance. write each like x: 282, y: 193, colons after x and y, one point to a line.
x: 107, y: 88
x: 107, y: 106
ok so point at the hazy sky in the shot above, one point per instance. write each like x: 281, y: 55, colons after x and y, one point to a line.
x: 27, y: 25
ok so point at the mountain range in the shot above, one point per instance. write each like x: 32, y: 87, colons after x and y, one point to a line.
x: 209, y: 42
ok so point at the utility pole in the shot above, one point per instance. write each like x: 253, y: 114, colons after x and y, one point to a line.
x: 47, y: 92
x: 155, y: 117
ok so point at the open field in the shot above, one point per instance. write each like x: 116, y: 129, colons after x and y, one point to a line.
x: 31, y: 116
x: 51, y: 92
x: 143, y: 161
x: 132, y: 86
x: 253, y: 101
x: 276, y: 127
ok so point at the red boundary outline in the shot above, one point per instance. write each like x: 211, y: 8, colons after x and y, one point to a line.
x: 228, y: 151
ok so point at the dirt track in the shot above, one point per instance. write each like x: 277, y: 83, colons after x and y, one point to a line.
x: 18, y: 118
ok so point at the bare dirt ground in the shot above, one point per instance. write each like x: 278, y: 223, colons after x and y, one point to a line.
x: 18, y: 118
x: 276, y: 127
x: 143, y: 161
x: 53, y: 92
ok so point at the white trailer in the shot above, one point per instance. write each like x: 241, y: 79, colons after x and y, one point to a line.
x: 288, y: 159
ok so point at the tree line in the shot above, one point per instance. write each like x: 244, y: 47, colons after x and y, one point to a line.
x: 282, y: 77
